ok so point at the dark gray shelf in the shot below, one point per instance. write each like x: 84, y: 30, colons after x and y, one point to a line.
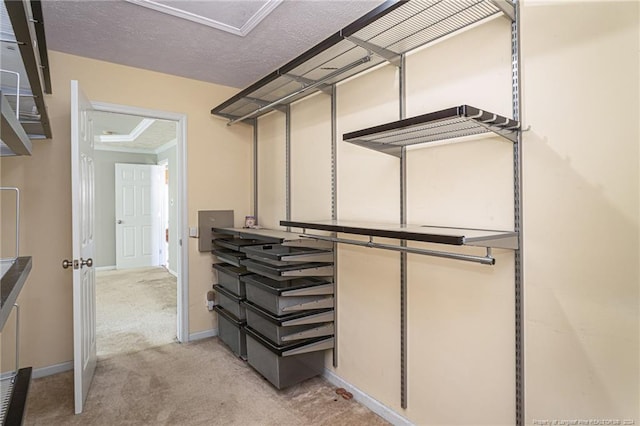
x: 428, y: 234
x: 23, y: 26
x: 11, y: 284
x: 451, y: 123
x: 13, y: 412
x: 14, y: 140
x: 381, y: 36
x: 275, y: 235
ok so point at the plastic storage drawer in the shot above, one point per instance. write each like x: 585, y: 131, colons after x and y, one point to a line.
x: 278, y: 254
x: 282, y: 297
x: 231, y: 332
x: 287, y: 365
x: 236, y: 244
x: 229, y: 277
x: 230, y: 302
x: 290, y: 270
x: 289, y: 328
x: 229, y: 256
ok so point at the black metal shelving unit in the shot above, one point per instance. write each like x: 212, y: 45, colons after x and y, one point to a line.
x: 450, y: 123
x: 381, y: 36
x: 14, y: 388
x: 385, y: 36
x: 25, y: 77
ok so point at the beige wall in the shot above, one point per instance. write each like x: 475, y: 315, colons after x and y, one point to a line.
x: 271, y: 170
x: 217, y: 156
x: 581, y: 209
x: 311, y: 171
x: 581, y: 221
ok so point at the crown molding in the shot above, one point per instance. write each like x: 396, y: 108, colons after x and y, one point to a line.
x: 137, y: 131
x: 124, y: 149
x: 166, y: 146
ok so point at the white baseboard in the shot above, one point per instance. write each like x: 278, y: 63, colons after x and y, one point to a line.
x: 52, y: 369
x: 7, y: 375
x: 372, y: 404
x: 203, y: 334
x: 172, y: 272
x: 105, y: 268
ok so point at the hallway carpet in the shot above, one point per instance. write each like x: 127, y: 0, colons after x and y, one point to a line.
x: 199, y: 383
x: 135, y: 310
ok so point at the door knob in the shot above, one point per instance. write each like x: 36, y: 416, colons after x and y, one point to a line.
x: 119, y: 221
x: 69, y: 263
x: 88, y: 262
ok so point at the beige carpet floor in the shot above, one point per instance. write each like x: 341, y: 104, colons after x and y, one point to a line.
x: 135, y: 310
x: 199, y: 383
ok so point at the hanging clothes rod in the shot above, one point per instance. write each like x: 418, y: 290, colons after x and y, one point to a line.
x: 487, y: 259
x: 304, y: 89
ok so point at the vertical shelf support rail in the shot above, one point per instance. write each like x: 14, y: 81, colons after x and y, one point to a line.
x: 334, y: 212
x: 287, y: 125
x: 517, y: 209
x: 402, y: 101
x: 255, y: 169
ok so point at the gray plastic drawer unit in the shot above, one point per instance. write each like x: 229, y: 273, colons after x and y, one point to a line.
x: 230, y: 302
x: 231, y: 332
x: 287, y: 365
x: 283, y: 297
x: 229, y: 277
x: 289, y: 328
x: 289, y: 288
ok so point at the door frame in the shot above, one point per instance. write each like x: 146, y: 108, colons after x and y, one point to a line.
x: 182, y: 327
x: 165, y: 216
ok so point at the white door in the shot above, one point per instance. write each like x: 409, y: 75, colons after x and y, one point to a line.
x: 83, y: 214
x: 138, y: 215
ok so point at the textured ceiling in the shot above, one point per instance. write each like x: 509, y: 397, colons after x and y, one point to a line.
x: 125, y: 33
x: 157, y: 134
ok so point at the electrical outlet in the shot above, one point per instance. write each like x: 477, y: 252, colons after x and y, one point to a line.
x: 211, y: 300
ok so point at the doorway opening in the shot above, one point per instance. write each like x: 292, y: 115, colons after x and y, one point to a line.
x: 141, y: 273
